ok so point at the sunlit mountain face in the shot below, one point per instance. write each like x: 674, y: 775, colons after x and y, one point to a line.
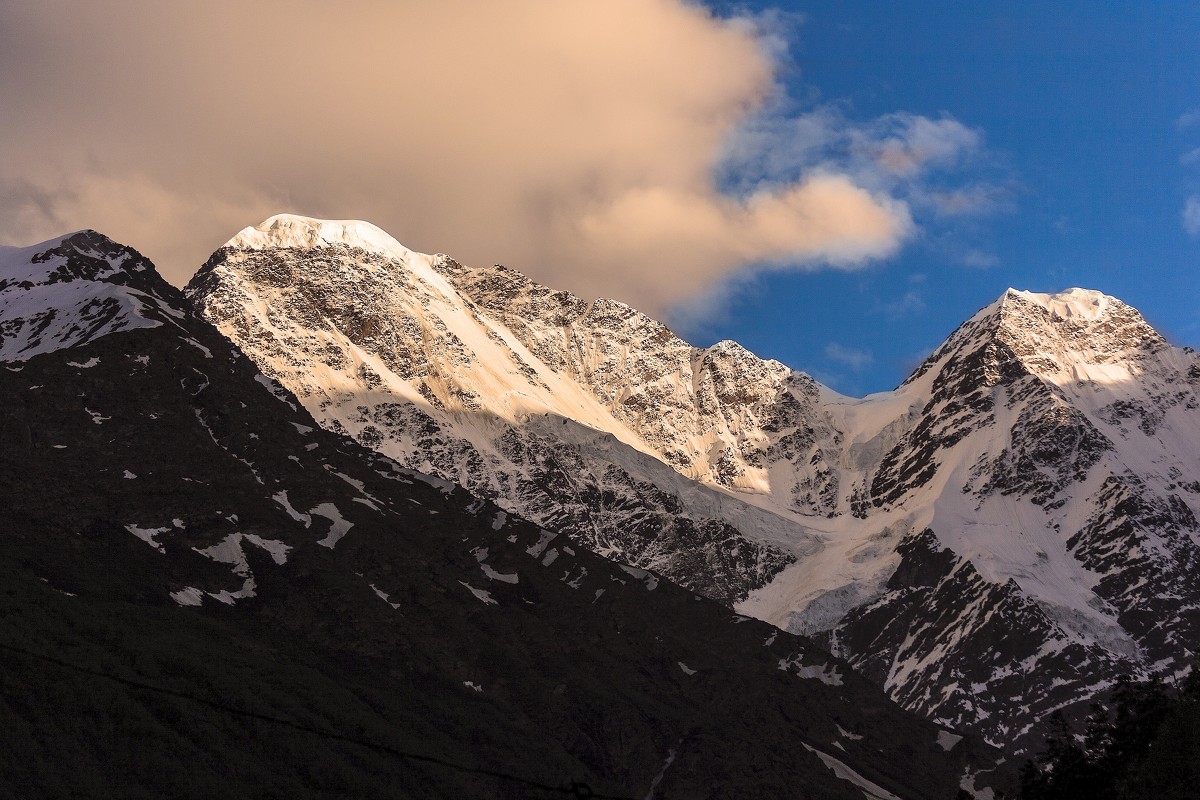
x: 1000, y: 536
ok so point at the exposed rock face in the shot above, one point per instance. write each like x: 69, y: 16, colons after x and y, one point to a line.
x: 174, y: 519
x: 1039, y: 470
x: 1057, y: 536
x: 415, y: 356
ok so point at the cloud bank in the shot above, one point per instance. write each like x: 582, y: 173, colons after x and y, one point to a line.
x: 576, y: 141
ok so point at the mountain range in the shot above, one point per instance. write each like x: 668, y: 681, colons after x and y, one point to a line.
x: 337, y: 485
x: 207, y: 594
x: 998, y: 538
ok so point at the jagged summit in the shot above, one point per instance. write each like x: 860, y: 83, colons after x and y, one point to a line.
x: 1078, y: 314
x: 80, y: 255
x: 306, y: 233
x: 17, y: 257
x: 1075, y: 306
x: 1071, y: 304
x: 473, y: 374
x: 76, y: 288
x: 1069, y: 337
x: 1080, y: 336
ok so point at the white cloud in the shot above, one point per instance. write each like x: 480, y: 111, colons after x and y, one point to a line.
x: 976, y: 258
x: 772, y: 27
x: 575, y: 141
x: 640, y: 149
x: 853, y: 358
x: 1191, y: 215
x: 905, y: 144
x: 1188, y: 119
x: 823, y: 217
x: 892, y: 153
x: 938, y: 168
x: 911, y: 302
x: 971, y: 201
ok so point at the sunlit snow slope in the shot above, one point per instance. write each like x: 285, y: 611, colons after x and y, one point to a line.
x: 1001, y: 535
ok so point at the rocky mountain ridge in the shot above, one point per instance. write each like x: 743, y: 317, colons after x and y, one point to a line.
x: 385, y: 348
x: 206, y: 594
x: 57, y: 297
x: 1000, y: 536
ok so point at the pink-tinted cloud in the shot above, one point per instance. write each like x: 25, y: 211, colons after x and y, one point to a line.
x: 576, y: 141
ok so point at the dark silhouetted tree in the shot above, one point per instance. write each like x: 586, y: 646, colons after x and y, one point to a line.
x: 1143, y: 745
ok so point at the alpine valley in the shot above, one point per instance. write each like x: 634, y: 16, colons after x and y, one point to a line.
x: 343, y: 519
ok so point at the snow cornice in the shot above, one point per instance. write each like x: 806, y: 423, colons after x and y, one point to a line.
x: 292, y: 231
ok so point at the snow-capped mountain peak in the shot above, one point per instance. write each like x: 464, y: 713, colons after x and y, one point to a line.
x: 307, y: 233
x: 73, y: 289
x: 81, y: 255
x: 1075, y: 303
x: 1081, y: 338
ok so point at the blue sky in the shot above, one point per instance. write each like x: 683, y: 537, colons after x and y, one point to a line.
x: 1088, y: 123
